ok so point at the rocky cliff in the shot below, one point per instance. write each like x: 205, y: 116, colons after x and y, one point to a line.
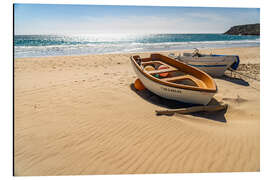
x: 248, y: 29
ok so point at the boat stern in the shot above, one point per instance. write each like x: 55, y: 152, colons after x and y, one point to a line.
x: 235, y: 65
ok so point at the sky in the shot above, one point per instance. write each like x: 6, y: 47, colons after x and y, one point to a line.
x: 95, y: 19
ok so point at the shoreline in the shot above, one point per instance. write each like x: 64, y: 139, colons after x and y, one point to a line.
x: 148, y: 52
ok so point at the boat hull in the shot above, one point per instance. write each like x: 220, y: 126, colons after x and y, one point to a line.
x: 214, y: 66
x: 178, y: 94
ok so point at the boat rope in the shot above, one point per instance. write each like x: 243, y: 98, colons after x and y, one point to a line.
x: 243, y: 74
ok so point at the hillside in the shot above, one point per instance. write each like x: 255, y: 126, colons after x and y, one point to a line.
x: 248, y: 29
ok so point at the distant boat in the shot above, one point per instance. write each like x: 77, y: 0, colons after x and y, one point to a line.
x: 173, y: 79
x: 213, y: 64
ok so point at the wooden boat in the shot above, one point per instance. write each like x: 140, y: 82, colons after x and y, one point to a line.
x: 213, y: 64
x: 183, y: 82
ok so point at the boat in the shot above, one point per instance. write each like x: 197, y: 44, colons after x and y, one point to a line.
x: 178, y: 81
x: 213, y: 64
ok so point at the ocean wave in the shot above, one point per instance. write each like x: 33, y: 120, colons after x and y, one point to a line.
x: 101, y: 48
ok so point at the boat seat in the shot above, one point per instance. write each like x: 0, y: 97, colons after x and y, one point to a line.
x: 160, y: 62
x: 162, y: 71
x: 198, y: 82
x: 155, y: 61
x: 147, y: 62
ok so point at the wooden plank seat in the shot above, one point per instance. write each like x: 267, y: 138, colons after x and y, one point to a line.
x: 159, y: 62
x: 162, y: 71
x: 148, y: 62
x: 152, y: 62
x: 198, y: 82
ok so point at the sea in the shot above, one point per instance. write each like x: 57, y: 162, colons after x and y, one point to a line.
x: 66, y: 45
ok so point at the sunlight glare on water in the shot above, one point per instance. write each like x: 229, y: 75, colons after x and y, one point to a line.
x: 58, y: 45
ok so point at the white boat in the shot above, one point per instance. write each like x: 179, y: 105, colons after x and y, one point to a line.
x: 183, y: 82
x: 213, y: 64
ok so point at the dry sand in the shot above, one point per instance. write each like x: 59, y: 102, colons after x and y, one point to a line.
x: 79, y: 115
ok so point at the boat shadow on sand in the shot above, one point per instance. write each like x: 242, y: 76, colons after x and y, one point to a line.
x: 234, y: 80
x: 172, y: 104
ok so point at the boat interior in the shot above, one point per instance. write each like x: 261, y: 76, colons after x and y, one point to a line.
x: 201, y: 55
x: 173, y: 72
x: 196, y: 55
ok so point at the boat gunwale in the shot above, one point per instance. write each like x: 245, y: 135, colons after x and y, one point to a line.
x: 212, y: 90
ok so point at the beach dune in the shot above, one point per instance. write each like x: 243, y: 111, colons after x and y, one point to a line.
x: 77, y: 115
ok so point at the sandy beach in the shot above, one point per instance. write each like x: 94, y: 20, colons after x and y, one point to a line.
x: 77, y: 115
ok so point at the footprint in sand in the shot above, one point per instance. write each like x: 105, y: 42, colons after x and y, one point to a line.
x: 235, y: 100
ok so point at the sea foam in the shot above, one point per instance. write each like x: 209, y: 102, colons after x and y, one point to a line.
x: 51, y: 45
